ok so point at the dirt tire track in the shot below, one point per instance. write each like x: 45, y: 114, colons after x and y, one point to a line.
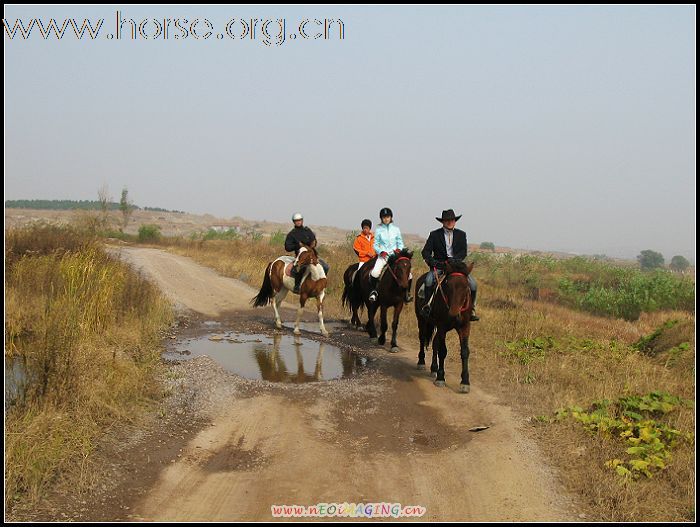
x: 409, y: 444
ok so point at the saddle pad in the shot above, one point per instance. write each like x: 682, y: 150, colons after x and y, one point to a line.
x: 288, y: 261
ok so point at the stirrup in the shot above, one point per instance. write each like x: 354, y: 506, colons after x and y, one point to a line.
x: 408, y: 298
x: 473, y: 317
x: 373, y: 296
x: 425, y: 310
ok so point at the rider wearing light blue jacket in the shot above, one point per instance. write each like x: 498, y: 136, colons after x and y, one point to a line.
x: 387, y: 239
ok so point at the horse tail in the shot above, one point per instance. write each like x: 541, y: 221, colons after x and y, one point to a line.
x: 347, y: 294
x: 266, y: 292
x: 355, y: 294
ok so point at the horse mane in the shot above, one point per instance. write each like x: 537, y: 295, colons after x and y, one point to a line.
x: 405, y: 253
x: 458, y: 266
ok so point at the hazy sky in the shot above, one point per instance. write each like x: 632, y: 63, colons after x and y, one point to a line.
x: 563, y: 128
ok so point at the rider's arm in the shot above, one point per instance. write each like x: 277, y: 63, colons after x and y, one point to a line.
x: 290, y: 243
x: 427, y: 252
x: 461, y: 254
x: 399, y: 239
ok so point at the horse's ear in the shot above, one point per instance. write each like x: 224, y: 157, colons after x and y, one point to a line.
x: 470, y: 266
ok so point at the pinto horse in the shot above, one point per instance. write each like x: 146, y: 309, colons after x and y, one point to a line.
x: 278, y: 281
x: 391, y: 288
x: 451, y: 309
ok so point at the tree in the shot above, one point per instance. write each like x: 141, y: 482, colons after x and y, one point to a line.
x: 679, y: 263
x: 103, y: 198
x: 649, y: 259
x: 126, y: 207
x: 489, y: 246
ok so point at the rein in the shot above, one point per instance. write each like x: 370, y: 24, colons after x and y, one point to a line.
x: 397, y: 261
x: 444, y: 297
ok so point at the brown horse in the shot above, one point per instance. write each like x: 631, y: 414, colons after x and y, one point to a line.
x: 392, y: 288
x: 278, y: 281
x: 451, y: 309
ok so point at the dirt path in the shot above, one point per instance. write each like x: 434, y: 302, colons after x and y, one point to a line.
x: 386, y: 436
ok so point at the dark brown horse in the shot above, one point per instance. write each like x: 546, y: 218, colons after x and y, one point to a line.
x: 451, y: 309
x: 392, y: 288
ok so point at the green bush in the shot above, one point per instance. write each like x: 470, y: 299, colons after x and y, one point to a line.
x: 149, y: 233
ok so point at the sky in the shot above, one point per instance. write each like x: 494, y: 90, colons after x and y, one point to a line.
x: 567, y: 128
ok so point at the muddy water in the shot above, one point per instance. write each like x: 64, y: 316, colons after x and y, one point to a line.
x: 278, y: 358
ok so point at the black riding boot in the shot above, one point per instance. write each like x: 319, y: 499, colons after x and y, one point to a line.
x: 409, y: 297
x: 297, y: 280
x: 373, y: 288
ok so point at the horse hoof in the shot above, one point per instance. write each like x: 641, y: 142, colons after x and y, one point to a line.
x: 278, y: 326
x: 325, y: 333
x: 373, y: 340
x: 439, y: 384
x: 394, y: 349
x: 463, y: 388
x: 420, y: 367
x: 297, y: 331
x: 433, y: 373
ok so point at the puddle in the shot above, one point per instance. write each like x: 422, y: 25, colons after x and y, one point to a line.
x: 278, y: 358
x: 312, y: 327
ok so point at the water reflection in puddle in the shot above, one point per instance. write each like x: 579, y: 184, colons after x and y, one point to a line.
x: 279, y: 358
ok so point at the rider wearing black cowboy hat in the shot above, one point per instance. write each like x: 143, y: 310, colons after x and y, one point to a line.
x: 443, y: 244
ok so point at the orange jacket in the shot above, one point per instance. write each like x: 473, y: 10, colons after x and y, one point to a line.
x: 364, y: 247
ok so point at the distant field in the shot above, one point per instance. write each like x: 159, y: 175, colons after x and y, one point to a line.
x: 185, y: 225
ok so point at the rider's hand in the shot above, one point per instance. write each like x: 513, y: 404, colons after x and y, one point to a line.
x: 397, y: 251
x: 383, y: 254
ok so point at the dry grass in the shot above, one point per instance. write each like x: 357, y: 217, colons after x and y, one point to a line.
x: 594, y: 359
x: 85, y: 331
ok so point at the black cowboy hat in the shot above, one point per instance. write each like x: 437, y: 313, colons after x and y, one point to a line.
x: 448, y: 215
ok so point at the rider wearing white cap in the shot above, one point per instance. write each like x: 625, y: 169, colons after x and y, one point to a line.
x: 298, y: 235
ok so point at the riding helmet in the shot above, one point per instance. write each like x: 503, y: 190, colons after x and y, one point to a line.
x: 297, y: 216
x: 386, y: 211
x: 366, y: 222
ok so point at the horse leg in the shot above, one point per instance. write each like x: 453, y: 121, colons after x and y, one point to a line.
x: 434, y: 362
x: 464, y: 354
x: 276, y: 302
x: 371, y: 328
x: 300, y: 311
x: 383, y: 325
x: 319, y: 304
x: 441, y: 346
x: 395, y: 326
x: 421, y: 340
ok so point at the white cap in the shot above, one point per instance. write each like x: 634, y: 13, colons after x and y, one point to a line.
x: 297, y: 216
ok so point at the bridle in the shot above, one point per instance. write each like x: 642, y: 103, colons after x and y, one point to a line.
x: 396, y: 262
x: 444, y: 296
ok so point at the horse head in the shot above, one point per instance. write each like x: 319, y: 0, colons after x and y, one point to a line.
x: 456, y: 286
x: 307, y: 256
x: 400, y: 264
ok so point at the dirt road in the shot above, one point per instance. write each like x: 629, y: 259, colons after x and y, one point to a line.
x: 388, y: 435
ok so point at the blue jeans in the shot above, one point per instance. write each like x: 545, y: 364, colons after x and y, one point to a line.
x: 430, y: 281
x: 325, y: 266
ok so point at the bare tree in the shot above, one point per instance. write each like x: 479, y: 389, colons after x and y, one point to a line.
x: 104, y: 199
